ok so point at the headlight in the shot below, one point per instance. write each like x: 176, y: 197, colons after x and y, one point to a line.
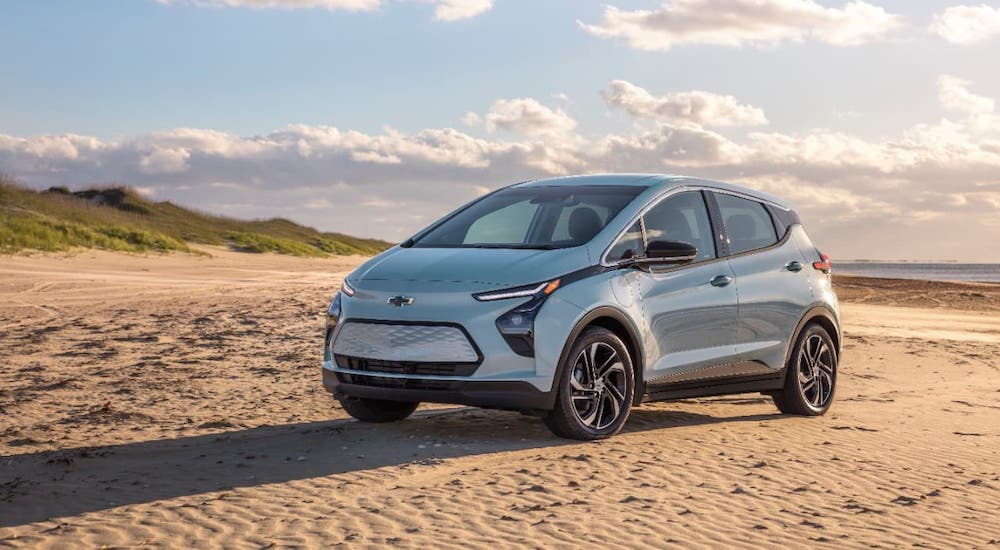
x: 347, y: 289
x: 546, y: 288
x: 517, y: 326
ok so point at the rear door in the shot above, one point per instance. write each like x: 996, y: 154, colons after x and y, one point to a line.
x: 774, y: 288
x: 690, y: 310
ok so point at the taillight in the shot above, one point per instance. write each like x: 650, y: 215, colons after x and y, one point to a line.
x: 824, y: 264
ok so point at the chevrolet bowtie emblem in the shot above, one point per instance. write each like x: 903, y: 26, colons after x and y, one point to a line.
x: 399, y: 301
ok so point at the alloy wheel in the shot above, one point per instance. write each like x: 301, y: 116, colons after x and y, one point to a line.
x: 816, y: 371
x: 598, y: 385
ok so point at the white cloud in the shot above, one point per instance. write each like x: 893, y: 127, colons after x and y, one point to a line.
x: 936, y: 180
x: 346, y: 5
x: 955, y: 96
x: 967, y: 24
x: 454, y: 10
x: 164, y: 161
x: 666, y: 148
x: 695, y: 107
x: 50, y: 147
x: 744, y: 22
x: 529, y: 117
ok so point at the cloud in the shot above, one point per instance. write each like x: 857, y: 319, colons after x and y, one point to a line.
x: 665, y: 149
x: 332, y: 5
x: 911, y: 195
x: 744, y: 23
x: 454, y: 10
x: 163, y: 160
x: 967, y: 24
x: 529, y: 117
x: 694, y: 107
x: 955, y: 96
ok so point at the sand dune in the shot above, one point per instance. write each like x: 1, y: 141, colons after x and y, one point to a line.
x: 175, y: 401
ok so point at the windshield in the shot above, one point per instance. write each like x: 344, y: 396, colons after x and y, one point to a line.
x: 532, y: 217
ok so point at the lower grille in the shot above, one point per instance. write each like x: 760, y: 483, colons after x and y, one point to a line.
x: 405, y: 367
x: 405, y: 342
x: 398, y: 383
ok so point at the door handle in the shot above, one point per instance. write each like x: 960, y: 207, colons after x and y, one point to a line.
x: 721, y: 280
x: 794, y: 265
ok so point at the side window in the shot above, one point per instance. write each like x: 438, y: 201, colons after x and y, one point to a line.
x: 505, y: 225
x: 629, y: 245
x: 748, y: 223
x: 682, y: 217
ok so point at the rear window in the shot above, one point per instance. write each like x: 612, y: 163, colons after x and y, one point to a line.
x: 748, y: 223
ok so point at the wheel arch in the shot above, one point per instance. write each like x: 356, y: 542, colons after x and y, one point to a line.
x: 822, y: 316
x: 622, y: 326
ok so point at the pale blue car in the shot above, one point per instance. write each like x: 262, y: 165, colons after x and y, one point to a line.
x: 577, y: 298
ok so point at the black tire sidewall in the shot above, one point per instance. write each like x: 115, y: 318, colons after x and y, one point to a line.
x: 564, y: 401
x: 377, y: 410
x: 792, y: 383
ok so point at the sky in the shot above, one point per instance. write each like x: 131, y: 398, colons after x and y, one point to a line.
x: 876, y: 119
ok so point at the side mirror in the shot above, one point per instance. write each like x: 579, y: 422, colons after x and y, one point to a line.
x: 668, y: 252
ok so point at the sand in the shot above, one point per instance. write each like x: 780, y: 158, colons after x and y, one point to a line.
x: 175, y: 401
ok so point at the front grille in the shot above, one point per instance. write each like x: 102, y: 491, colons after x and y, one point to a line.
x: 405, y: 342
x: 405, y: 367
x: 397, y: 383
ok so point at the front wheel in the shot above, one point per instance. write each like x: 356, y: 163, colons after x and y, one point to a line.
x: 810, y: 376
x: 377, y: 410
x: 595, y: 389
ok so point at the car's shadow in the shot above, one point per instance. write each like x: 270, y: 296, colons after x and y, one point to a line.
x: 52, y: 484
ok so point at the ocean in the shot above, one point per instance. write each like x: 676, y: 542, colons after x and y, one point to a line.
x: 925, y: 271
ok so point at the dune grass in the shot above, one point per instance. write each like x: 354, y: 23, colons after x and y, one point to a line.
x: 57, y: 220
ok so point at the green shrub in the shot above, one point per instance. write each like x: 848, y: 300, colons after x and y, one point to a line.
x: 256, y: 242
x: 119, y: 218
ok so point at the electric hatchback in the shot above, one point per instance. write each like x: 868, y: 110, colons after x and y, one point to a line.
x: 577, y: 298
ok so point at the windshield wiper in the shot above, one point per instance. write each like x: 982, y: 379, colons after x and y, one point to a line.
x: 515, y: 246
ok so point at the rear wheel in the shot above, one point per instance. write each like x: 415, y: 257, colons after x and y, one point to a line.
x: 377, y: 410
x: 595, y: 389
x: 810, y: 376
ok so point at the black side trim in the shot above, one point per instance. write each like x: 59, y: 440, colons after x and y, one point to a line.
x: 718, y: 227
x: 742, y: 384
x: 493, y: 395
x: 475, y: 347
x: 635, y: 345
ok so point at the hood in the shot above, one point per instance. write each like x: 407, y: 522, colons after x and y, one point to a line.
x: 487, y: 266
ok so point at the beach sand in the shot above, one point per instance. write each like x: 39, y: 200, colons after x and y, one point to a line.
x: 175, y: 401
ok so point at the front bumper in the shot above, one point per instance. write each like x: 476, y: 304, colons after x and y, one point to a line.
x: 514, y: 395
x: 443, y: 348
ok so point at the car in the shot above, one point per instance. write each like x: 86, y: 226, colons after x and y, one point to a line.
x: 577, y: 298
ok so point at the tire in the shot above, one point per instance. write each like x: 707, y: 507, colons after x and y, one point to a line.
x: 810, y: 375
x: 377, y: 410
x: 591, y: 404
